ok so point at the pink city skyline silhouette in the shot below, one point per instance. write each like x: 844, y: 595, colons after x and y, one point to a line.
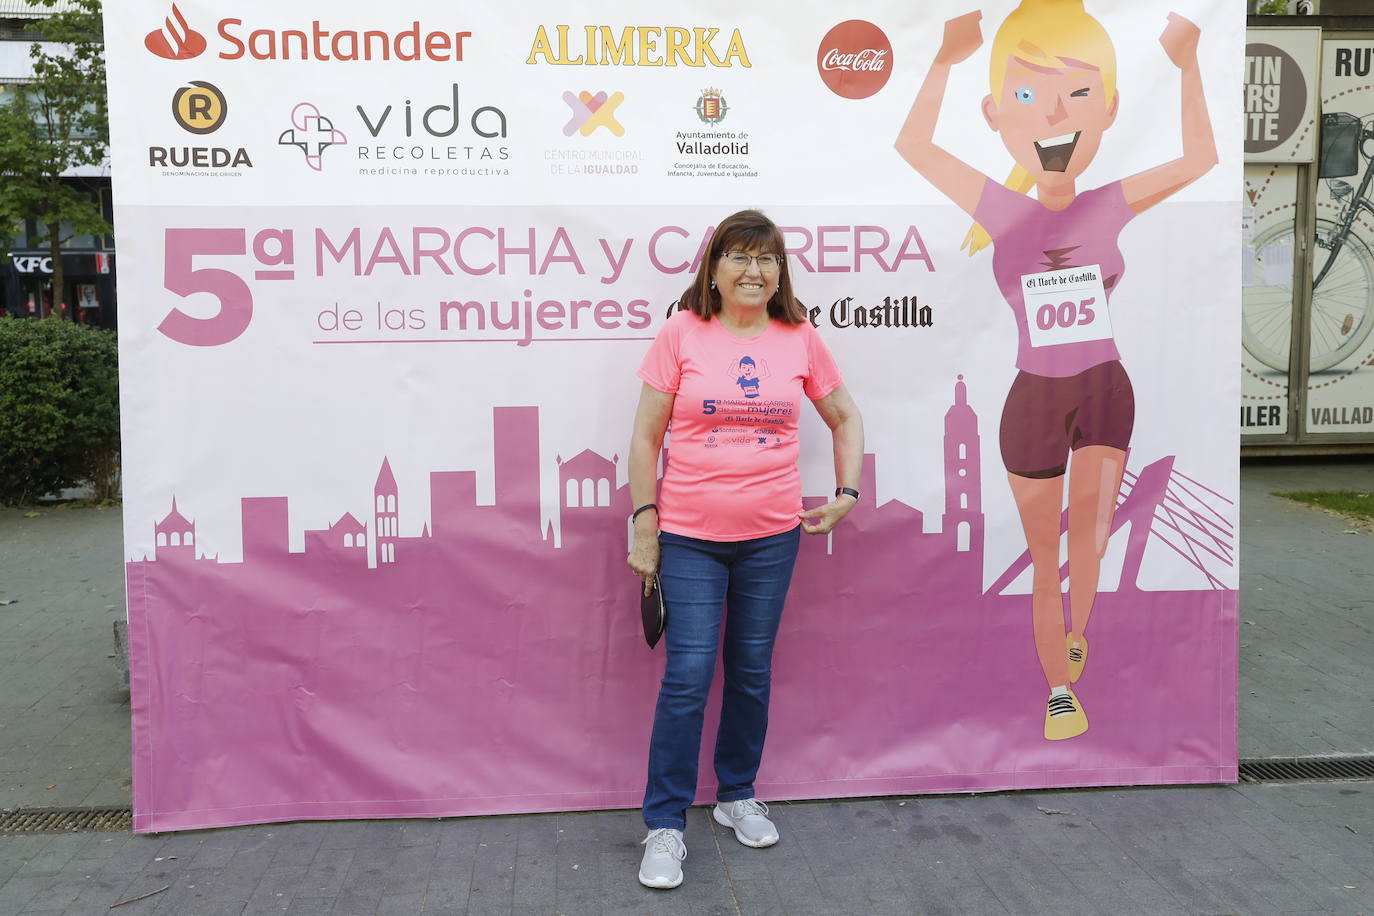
x: 480, y: 667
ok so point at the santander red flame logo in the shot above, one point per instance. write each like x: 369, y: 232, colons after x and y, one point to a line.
x: 175, y: 40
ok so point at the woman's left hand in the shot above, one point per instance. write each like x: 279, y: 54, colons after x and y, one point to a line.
x: 823, y: 519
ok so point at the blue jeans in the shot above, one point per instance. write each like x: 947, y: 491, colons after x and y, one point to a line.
x: 699, y: 578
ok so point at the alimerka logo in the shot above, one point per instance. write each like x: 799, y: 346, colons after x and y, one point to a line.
x: 638, y: 46
x: 176, y: 40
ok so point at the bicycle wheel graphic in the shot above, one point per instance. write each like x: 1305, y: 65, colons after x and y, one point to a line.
x: 1342, y: 308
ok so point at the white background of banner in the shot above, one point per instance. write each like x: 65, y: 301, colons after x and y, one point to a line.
x: 241, y: 411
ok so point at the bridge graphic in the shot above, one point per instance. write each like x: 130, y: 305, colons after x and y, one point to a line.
x: 1186, y: 516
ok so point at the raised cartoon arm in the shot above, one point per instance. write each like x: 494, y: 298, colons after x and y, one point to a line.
x: 957, y: 180
x: 1148, y: 188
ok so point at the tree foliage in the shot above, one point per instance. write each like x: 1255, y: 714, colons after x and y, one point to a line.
x: 59, y: 408
x: 53, y: 123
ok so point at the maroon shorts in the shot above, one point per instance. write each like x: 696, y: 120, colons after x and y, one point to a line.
x: 1045, y: 418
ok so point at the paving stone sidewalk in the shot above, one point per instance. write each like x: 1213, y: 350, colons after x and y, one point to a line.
x: 1244, y: 850
x: 1306, y: 638
x: 1307, y: 614
x: 64, y: 714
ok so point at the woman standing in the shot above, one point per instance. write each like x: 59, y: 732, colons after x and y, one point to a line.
x: 727, y: 524
x: 1053, y: 81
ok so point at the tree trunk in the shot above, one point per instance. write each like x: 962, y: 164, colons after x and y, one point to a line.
x: 59, y: 279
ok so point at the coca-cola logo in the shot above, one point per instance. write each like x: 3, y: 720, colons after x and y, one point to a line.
x: 867, y: 59
x: 855, y: 59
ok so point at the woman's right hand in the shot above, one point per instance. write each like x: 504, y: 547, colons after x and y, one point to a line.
x: 1179, y: 39
x: 963, y: 36
x: 643, y: 558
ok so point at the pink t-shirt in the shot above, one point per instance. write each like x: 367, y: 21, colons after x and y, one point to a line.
x: 732, y: 457
x: 1039, y: 249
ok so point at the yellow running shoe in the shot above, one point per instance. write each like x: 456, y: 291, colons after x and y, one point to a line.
x: 1078, y: 656
x: 1064, y: 716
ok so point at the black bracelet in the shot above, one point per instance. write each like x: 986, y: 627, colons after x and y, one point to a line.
x: 635, y: 514
x: 850, y: 490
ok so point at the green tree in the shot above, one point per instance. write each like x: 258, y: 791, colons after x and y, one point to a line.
x: 59, y: 408
x: 53, y: 123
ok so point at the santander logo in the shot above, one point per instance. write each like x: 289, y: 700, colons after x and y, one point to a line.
x: 175, y: 40
x: 311, y: 40
x: 855, y: 59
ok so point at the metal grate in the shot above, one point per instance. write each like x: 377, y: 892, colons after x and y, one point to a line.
x: 1266, y: 769
x: 1275, y: 769
x: 65, y: 820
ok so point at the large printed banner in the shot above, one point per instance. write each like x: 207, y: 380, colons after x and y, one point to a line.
x: 387, y: 272
x: 1340, y: 350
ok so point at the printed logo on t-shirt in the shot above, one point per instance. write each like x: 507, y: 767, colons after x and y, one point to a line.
x: 748, y: 422
x: 747, y: 373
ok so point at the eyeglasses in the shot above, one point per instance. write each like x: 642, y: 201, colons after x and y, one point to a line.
x: 766, y: 262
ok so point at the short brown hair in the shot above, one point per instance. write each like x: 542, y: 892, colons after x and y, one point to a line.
x: 747, y: 230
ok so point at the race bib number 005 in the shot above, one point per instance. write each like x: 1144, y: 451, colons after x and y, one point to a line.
x: 1066, y: 306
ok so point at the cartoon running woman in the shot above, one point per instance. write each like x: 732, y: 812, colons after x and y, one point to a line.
x: 1056, y: 262
x: 747, y: 377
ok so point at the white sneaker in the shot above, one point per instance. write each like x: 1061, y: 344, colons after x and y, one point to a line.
x: 663, y: 855
x: 748, y: 817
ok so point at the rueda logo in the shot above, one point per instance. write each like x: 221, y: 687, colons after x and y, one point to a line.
x: 312, y: 133
x: 855, y: 59
x: 592, y: 111
x: 175, y: 40
x: 199, y: 107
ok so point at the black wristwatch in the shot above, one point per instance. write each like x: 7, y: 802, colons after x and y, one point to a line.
x: 850, y: 490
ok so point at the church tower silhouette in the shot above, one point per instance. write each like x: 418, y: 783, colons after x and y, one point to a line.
x: 385, y: 530
x: 175, y: 536
x: 962, y: 521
